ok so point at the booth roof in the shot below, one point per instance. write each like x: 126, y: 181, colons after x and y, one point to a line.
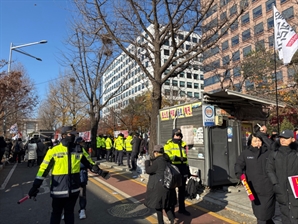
x: 228, y: 96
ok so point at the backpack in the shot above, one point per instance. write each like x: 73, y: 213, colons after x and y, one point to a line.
x: 172, y: 177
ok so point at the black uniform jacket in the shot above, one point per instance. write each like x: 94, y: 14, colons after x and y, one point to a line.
x: 283, y: 163
x: 252, y: 162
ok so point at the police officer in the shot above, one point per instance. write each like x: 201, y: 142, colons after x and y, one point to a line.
x: 175, y: 149
x: 128, y: 149
x: 64, y: 161
x: 109, y: 145
x: 119, y: 148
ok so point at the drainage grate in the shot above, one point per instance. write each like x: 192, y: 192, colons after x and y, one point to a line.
x: 129, y: 210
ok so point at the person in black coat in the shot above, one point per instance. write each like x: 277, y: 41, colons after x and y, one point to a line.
x: 157, y: 196
x: 283, y: 163
x: 2, y: 148
x: 252, y: 162
x: 136, y: 141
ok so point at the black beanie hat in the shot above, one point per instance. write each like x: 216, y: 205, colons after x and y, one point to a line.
x: 176, y: 131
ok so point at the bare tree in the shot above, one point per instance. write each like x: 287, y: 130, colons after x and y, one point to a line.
x: 18, y: 97
x: 146, y: 25
x: 64, y: 105
x: 89, y: 56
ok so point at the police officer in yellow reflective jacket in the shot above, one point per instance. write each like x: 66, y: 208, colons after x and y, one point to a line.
x: 128, y: 149
x: 175, y: 149
x: 64, y: 160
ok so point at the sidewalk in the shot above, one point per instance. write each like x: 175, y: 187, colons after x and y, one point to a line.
x: 231, y: 198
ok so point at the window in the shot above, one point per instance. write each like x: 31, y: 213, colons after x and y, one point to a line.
x: 188, y: 38
x: 174, y: 83
x: 201, y: 77
x: 235, y: 40
x: 188, y: 75
x: 269, y: 5
x: 270, y: 23
x: 211, y: 80
x: 167, y: 92
x: 249, y: 85
x: 234, y: 26
x: 260, y: 45
x: 189, y: 85
x: 182, y: 84
x: 236, y: 71
x: 283, y: 1
x: 271, y: 41
x: 246, y: 51
x: 194, y: 40
x: 224, y: 31
x: 212, y: 10
x: 236, y: 56
x: 259, y: 28
x: 225, y: 45
x: 167, y: 83
x: 180, y: 36
x: 278, y: 75
x: 182, y: 93
x: 223, y: 16
x: 175, y: 92
x: 226, y: 60
x: 187, y: 47
x: 189, y: 94
x: 288, y: 13
x: 195, y: 76
x: 246, y: 35
x: 181, y: 75
x: 202, y: 86
x: 291, y: 72
x: 257, y: 12
x: 166, y: 42
x: 196, y: 85
x: 166, y: 52
x: 245, y: 18
x: 197, y: 95
x: 224, y: 2
x: 233, y: 10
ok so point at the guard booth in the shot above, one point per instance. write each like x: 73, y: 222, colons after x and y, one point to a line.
x: 215, y: 131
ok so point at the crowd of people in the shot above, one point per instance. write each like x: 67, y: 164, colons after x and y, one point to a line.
x: 32, y: 151
x: 268, y: 162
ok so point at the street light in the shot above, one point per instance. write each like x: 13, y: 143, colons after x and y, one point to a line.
x: 15, y: 48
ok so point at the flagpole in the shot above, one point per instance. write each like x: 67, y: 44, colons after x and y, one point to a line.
x: 276, y: 93
x: 275, y: 74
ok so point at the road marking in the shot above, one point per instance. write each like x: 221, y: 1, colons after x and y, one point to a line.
x: 8, y: 177
x: 121, y: 196
x: 186, y: 202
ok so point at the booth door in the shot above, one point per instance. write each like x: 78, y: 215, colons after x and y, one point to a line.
x: 219, y: 173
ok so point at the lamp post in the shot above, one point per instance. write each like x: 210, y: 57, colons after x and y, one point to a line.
x: 15, y: 48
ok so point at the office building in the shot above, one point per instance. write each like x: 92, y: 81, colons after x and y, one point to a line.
x: 253, y: 30
x: 124, y: 73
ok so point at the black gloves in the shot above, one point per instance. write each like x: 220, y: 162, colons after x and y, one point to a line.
x: 104, y: 174
x: 33, y: 191
x: 95, y: 169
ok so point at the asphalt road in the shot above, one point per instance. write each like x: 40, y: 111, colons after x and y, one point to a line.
x: 117, y: 200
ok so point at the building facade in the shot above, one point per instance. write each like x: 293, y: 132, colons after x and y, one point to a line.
x: 253, y: 30
x: 125, y: 74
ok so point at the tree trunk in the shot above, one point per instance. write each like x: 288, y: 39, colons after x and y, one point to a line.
x: 156, y: 103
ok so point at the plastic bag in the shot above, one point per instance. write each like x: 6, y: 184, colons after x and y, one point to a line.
x: 141, y: 164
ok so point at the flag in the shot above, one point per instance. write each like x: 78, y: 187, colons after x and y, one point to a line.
x: 285, y: 38
x: 13, y: 129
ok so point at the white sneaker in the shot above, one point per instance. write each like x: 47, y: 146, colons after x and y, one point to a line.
x: 62, y: 217
x: 82, y: 214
